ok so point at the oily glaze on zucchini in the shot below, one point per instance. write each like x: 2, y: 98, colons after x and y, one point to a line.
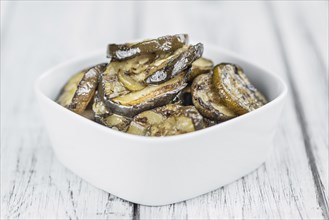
x: 207, y: 101
x: 235, y: 89
x: 132, y: 103
x: 80, y: 89
x: 165, y: 44
x: 167, y: 120
x: 176, y: 64
x: 200, y: 66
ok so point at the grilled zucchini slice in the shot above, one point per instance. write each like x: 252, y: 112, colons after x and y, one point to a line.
x: 208, y: 123
x: 200, y: 66
x: 132, y: 103
x: 116, y: 122
x: 207, y: 101
x: 235, y: 89
x: 168, y: 120
x: 180, y: 61
x: 80, y: 89
x: 99, y: 108
x: 103, y: 116
x: 165, y: 44
x: 68, y: 91
x: 119, y: 77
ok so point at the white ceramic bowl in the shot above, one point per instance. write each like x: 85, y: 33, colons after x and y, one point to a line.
x: 161, y: 170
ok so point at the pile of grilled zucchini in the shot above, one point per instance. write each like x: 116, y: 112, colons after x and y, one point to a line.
x: 160, y: 87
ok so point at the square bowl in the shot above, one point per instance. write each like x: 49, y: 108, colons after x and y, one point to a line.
x: 161, y: 170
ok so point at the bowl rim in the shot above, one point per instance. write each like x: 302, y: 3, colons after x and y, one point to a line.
x: 40, y: 94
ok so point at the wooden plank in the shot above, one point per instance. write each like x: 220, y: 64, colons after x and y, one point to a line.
x: 310, y: 90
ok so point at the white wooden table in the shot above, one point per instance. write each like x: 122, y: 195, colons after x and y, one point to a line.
x: 290, y: 38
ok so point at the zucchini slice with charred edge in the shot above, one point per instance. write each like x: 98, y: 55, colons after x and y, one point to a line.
x: 80, y: 89
x: 68, y: 91
x: 165, y: 44
x: 176, y: 64
x: 235, y: 89
x: 200, y: 66
x: 118, y: 77
x: 207, y: 101
x: 130, y: 104
x: 99, y: 108
x: 105, y: 117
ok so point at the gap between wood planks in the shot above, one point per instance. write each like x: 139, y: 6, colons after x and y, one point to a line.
x: 137, y: 24
x: 136, y: 213
x: 321, y: 197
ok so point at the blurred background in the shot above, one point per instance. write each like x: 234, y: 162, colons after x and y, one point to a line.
x: 288, y: 37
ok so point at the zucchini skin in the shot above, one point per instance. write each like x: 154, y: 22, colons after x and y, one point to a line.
x: 80, y: 89
x: 165, y: 44
x: 99, y: 108
x: 104, y: 117
x: 234, y: 88
x: 67, y: 92
x: 207, y: 101
x: 162, y: 94
x: 86, y: 89
x: 176, y: 65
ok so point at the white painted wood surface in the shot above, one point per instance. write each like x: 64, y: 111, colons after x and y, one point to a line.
x: 290, y: 38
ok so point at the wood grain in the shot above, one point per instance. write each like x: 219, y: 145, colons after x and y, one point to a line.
x: 288, y: 38
x: 312, y: 125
